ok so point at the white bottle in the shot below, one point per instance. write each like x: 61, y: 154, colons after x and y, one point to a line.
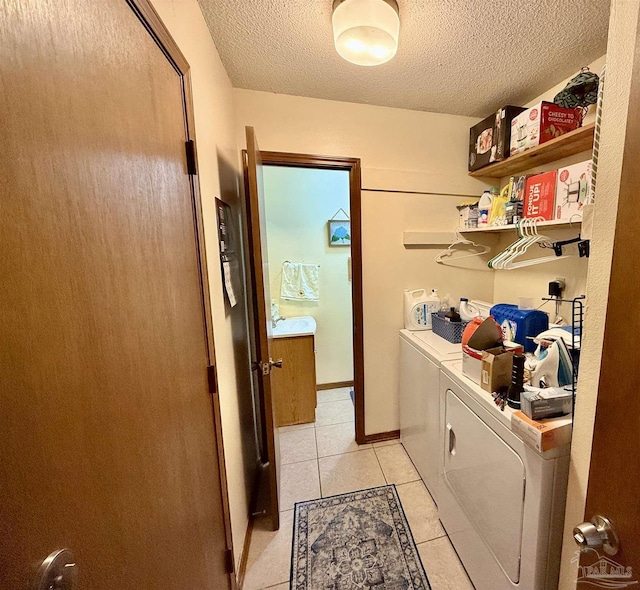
x: 417, y: 309
x: 433, y: 304
x: 467, y: 310
x: 484, y: 209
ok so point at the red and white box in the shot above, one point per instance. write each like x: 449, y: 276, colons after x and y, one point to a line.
x: 541, y: 123
x: 540, y: 195
x: 573, y: 190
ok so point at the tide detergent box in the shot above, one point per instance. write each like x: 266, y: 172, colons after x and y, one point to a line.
x: 540, y: 195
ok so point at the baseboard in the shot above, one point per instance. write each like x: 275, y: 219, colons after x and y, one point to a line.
x: 242, y: 568
x: 381, y: 436
x: 253, y: 502
x: 335, y: 385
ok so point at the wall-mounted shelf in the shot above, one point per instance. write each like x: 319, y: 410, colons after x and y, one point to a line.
x: 427, y: 238
x: 540, y: 224
x: 568, y: 144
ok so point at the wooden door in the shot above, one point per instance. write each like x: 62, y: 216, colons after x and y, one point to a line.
x: 259, y: 269
x: 614, y: 477
x: 108, y: 440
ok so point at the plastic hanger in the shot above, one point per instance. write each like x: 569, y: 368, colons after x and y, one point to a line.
x: 528, y: 232
x: 448, y: 254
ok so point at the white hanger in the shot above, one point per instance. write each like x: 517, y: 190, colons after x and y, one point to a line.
x: 448, y: 254
x: 528, y: 231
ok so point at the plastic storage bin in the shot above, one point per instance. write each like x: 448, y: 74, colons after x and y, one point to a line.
x: 517, y: 323
x: 451, y: 331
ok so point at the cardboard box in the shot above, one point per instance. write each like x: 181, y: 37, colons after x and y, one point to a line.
x: 490, y: 140
x: 573, y: 189
x: 542, y: 435
x: 502, y: 132
x: 496, y: 369
x: 540, y: 123
x: 540, y: 195
x: 472, y: 359
x: 541, y: 404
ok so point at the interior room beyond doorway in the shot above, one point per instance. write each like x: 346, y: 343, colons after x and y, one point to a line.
x: 308, y: 229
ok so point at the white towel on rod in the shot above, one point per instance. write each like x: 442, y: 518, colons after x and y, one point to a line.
x: 300, y: 281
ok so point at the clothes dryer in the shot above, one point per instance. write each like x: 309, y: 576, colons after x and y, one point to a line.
x: 421, y: 428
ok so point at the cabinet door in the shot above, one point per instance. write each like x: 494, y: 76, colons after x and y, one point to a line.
x: 294, y: 386
x: 487, y: 479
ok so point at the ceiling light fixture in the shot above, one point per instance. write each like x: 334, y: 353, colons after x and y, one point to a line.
x: 366, y: 32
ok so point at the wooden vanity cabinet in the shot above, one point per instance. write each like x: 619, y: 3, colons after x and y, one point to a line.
x: 294, y: 385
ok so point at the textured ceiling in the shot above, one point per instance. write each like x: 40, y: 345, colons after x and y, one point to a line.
x: 464, y: 57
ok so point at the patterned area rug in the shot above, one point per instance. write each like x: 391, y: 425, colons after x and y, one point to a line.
x: 355, y: 541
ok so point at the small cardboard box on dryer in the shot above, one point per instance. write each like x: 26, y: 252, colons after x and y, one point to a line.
x: 496, y: 369
x: 542, y: 435
x: 487, y: 336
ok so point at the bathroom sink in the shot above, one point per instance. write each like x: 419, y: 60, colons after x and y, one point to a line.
x: 298, y: 326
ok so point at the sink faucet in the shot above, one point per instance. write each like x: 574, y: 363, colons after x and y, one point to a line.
x: 275, y: 321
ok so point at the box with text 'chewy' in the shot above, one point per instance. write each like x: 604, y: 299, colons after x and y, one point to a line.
x: 572, y: 190
x: 540, y: 196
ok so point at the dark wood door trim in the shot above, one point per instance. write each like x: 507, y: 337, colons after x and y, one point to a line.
x: 352, y: 165
x: 152, y: 22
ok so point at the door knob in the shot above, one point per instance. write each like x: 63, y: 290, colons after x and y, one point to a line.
x: 277, y: 363
x: 598, y: 534
x: 58, y: 571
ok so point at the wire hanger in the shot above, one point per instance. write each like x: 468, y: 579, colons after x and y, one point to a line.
x: 448, y: 254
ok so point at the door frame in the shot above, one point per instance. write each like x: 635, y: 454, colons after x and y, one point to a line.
x: 352, y: 165
x: 151, y: 20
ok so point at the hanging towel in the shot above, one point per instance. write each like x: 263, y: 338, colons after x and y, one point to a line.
x: 300, y: 281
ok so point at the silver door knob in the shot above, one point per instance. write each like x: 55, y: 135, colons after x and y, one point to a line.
x: 598, y: 534
x: 277, y: 363
x: 58, y: 571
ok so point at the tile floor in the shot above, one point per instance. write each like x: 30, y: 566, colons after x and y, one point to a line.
x: 323, y: 459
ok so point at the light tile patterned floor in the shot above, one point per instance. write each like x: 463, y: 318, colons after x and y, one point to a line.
x: 323, y: 459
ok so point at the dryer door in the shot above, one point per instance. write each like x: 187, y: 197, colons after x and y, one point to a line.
x: 487, y: 479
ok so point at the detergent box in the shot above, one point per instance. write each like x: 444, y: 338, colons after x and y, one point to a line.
x: 517, y: 324
x: 573, y: 189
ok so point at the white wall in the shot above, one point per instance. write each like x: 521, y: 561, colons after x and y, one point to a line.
x: 400, y: 150
x: 218, y: 172
x: 298, y: 204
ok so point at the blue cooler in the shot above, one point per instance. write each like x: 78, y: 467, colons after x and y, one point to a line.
x: 517, y: 324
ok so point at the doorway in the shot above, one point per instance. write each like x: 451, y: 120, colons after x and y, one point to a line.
x: 320, y: 192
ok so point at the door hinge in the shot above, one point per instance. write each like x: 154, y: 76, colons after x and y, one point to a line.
x: 211, y: 376
x: 228, y: 558
x: 190, y: 148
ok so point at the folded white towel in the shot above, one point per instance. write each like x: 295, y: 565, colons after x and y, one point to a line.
x: 300, y: 281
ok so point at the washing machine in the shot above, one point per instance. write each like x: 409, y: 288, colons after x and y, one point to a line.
x: 421, y: 429
x: 500, y: 501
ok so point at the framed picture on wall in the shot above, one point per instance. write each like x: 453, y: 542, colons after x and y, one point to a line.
x: 339, y: 232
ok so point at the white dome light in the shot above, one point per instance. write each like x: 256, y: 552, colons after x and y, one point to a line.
x: 365, y: 32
